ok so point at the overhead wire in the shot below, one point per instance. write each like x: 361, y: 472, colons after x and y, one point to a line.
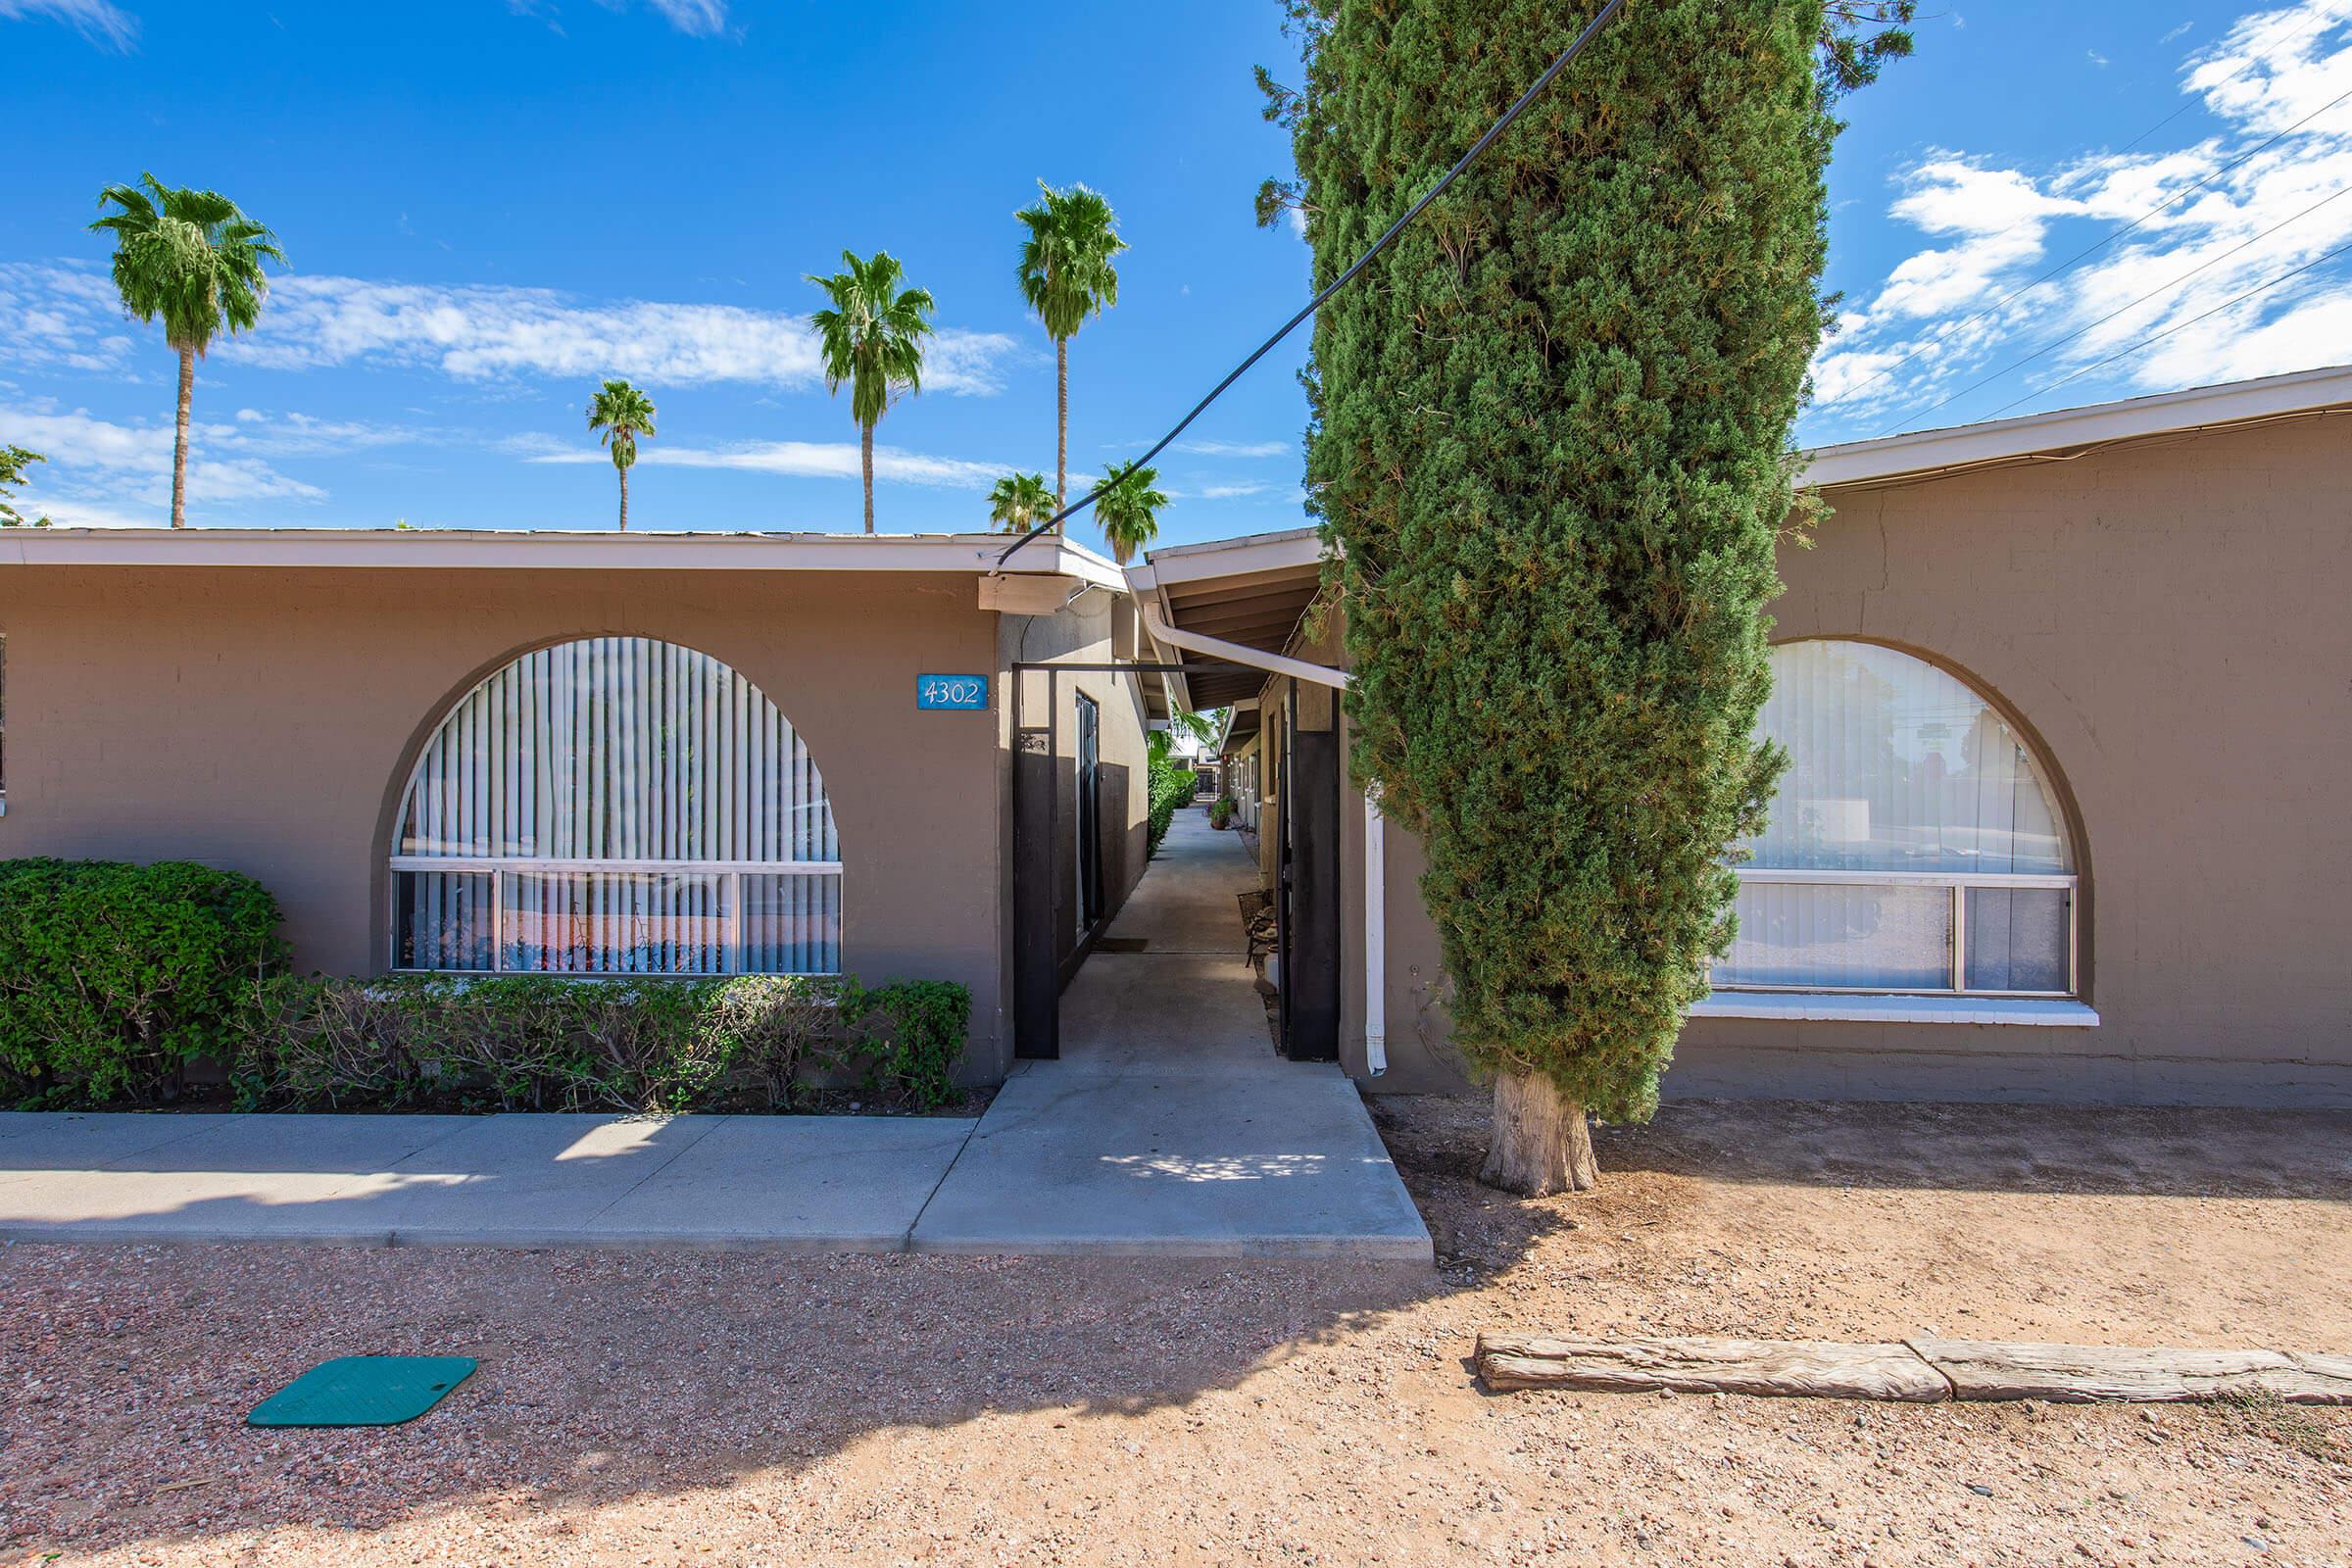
x: 2158, y: 337
x: 2083, y: 255
x: 2081, y: 331
x: 1519, y: 107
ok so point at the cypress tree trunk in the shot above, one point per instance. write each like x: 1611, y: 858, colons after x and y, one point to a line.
x: 1541, y: 1143
x: 1061, y: 424
x: 865, y: 458
x: 180, y: 442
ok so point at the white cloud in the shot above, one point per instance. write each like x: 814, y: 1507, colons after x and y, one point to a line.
x: 2098, y: 59
x: 472, y: 332
x: 100, y: 464
x: 814, y: 459
x: 94, y: 20
x: 1957, y: 310
x: 1234, y: 449
x: 1233, y: 492
x: 704, y: 18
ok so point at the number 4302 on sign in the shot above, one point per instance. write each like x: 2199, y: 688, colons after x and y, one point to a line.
x: 951, y: 694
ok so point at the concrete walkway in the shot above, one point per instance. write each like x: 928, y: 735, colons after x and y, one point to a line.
x: 1169, y: 1127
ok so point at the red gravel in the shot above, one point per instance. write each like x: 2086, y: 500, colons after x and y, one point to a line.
x: 642, y: 1408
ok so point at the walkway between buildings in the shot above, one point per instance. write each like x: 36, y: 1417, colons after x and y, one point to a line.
x: 1169, y: 1127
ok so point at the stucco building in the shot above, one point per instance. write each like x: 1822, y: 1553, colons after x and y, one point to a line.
x: 2068, y: 699
x: 2069, y: 704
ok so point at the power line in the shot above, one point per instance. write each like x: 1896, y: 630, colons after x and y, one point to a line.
x: 2088, y: 251
x: 2249, y: 63
x: 1534, y: 90
x: 2158, y: 337
x: 2164, y: 288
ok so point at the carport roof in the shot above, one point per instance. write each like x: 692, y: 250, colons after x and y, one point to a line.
x: 1252, y: 590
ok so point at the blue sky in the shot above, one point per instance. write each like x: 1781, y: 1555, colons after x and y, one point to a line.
x: 491, y: 204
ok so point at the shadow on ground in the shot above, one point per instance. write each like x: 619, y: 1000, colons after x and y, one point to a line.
x: 611, y: 1376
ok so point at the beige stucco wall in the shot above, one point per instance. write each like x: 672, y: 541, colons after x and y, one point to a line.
x: 265, y: 720
x: 1098, y: 628
x: 2167, y: 621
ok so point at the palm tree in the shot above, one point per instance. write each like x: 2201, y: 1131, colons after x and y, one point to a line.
x: 623, y: 414
x: 872, y: 337
x: 1066, y: 276
x: 193, y: 259
x: 1019, y: 500
x: 1128, y: 509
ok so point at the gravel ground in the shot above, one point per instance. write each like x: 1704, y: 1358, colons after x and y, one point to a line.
x: 733, y: 1409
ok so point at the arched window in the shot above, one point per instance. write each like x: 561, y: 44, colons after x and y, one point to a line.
x: 1912, y: 845
x: 617, y: 806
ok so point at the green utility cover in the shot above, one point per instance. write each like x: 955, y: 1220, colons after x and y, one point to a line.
x: 363, y: 1391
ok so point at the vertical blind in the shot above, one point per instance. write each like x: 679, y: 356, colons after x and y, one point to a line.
x: 1912, y: 844
x: 616, y: 805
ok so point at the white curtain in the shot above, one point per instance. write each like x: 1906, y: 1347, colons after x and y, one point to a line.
x: 618, y: 749
x: 1897, y: 766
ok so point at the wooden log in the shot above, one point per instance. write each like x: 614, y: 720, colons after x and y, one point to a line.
x: 1801, y: 1367
x: 2079, y: 1374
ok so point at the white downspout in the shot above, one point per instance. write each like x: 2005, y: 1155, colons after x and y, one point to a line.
x: 1376, y: 849
x: 1376, y: 936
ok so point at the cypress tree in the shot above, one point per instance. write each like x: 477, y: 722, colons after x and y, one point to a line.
x: 1550, y: 433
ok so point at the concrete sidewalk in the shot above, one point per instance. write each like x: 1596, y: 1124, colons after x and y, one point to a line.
x: 1169, y: 1127
x: 804, y: 1183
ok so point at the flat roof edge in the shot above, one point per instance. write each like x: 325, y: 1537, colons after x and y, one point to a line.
x: 446, y: 549
x: 1926, y: 452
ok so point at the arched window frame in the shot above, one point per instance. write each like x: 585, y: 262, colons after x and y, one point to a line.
x: 1958, y: 885
x: 731, y: 940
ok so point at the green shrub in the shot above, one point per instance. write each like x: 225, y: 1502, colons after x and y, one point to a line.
x: 923, y: 1027
x: 1172, y: 787
x: 112, y: 976
x: 566, y: 1044
x: 786, y: 1029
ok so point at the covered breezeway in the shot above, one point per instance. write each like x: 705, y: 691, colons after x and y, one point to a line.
x: 1170, y: 1124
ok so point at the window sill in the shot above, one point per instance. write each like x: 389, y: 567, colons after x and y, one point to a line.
x: 1819, y: 1007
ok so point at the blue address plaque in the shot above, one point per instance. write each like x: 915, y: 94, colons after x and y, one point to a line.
x: 951, y: 694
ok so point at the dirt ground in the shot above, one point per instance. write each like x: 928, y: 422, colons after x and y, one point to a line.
x: 635, y: 1408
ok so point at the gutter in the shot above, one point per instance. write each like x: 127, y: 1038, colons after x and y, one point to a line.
x: 1376, y: 858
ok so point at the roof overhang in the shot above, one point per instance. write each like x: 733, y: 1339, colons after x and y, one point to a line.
x: 2069, y: 432
x: 548, y: 551
x: 1252, y: 590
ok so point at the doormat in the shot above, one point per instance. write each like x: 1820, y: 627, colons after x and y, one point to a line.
x: 1121, y: 943
x: 363, y: 1391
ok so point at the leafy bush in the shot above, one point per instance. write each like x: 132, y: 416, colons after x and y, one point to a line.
x: 924, y: 1024
x: 1172, y: 787
x: 788, y: 1029
x: 554, y: 1043
x: 112, y: 976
